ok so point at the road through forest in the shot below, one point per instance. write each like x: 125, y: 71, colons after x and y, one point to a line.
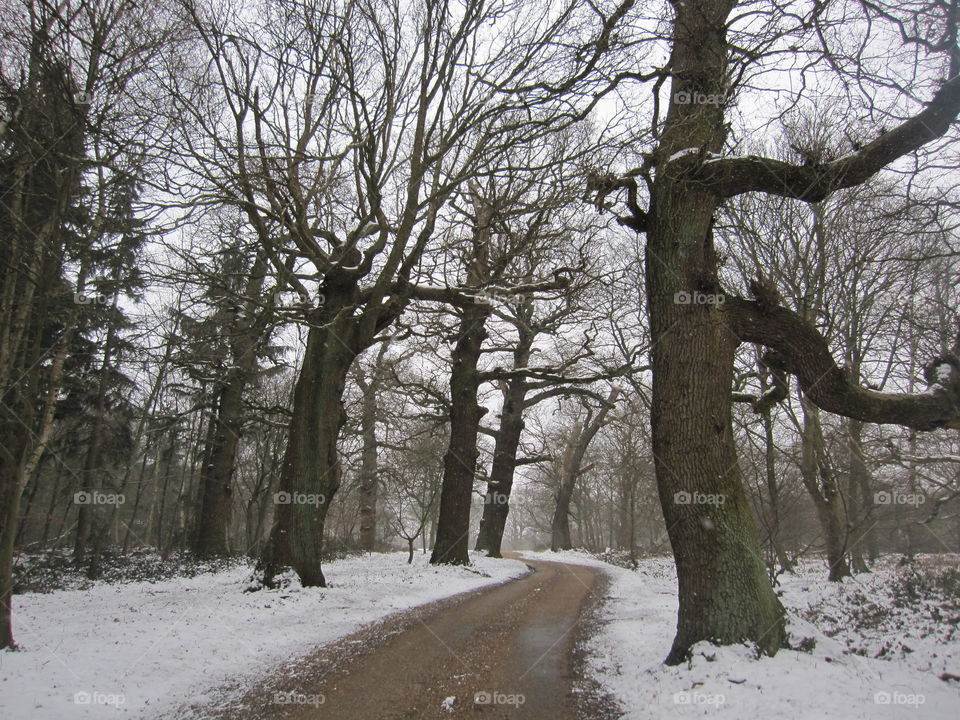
x: 504, y: 652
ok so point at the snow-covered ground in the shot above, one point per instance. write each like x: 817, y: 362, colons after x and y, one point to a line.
x: 140, y: 650
x: 905, y: 644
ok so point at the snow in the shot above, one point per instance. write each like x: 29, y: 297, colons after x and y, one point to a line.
x: 681, y: 153
x: 638, y: 621
x: 943, y: 372
x: 141, y: 650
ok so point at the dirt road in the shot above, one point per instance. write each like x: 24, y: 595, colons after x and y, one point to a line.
x: 505, y: 652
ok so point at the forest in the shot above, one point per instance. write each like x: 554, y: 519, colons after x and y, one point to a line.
x: 293, y: 283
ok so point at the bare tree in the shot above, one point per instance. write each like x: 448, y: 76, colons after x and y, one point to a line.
x: 370, y: 387
x: 571, y: 466
x: 343, y: 147
x: 724, y: 592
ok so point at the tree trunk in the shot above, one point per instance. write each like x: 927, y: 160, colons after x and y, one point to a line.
x: 11, y: 493
x: 369, y: 484
x: 905, y: 519
x: 52, y: 506
x: 725, y: 594
x: 773, y: 491
x: 571, y: 465
x: 860, y: 490
x: 497, y: 503
x: 819, y: 480
x: 217, y: 475
x: 560, y: 525
x: 23, y: 447
x: 483, y: 533
x: 460, y: 461
x: 369, y: 480
x: 90, y: 514
x: 311, y: 471
x: 213, y: 521
x: 624, y: 507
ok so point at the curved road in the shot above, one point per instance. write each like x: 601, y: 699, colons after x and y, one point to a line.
x: 503, y: 652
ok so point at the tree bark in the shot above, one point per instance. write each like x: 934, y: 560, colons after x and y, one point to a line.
x: 496, y: 506
x: 216, y: 479
x: 725, y: 595
x: 369, y: 479
x: 560, y: 524
x: 13, y: 491
x: 311, y: 470
x: 40, y: 180
x: 369, y: 482
x: 860, y: 494
x: 773, y: 490
x: 89, y: 515
x: 460, y: 461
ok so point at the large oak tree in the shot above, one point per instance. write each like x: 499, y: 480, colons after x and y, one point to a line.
x: 718, y: 49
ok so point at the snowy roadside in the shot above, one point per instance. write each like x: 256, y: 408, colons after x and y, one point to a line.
x: 140, y: 650
x: 638, y: 620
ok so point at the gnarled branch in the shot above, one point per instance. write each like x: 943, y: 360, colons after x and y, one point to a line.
x: 805, y: 353
x: 812, y: 183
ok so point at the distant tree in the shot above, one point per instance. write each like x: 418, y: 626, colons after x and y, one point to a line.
x: 571, y: 466
x: 413, y: 480
x: 370, y: 387
x: 225, y: 341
